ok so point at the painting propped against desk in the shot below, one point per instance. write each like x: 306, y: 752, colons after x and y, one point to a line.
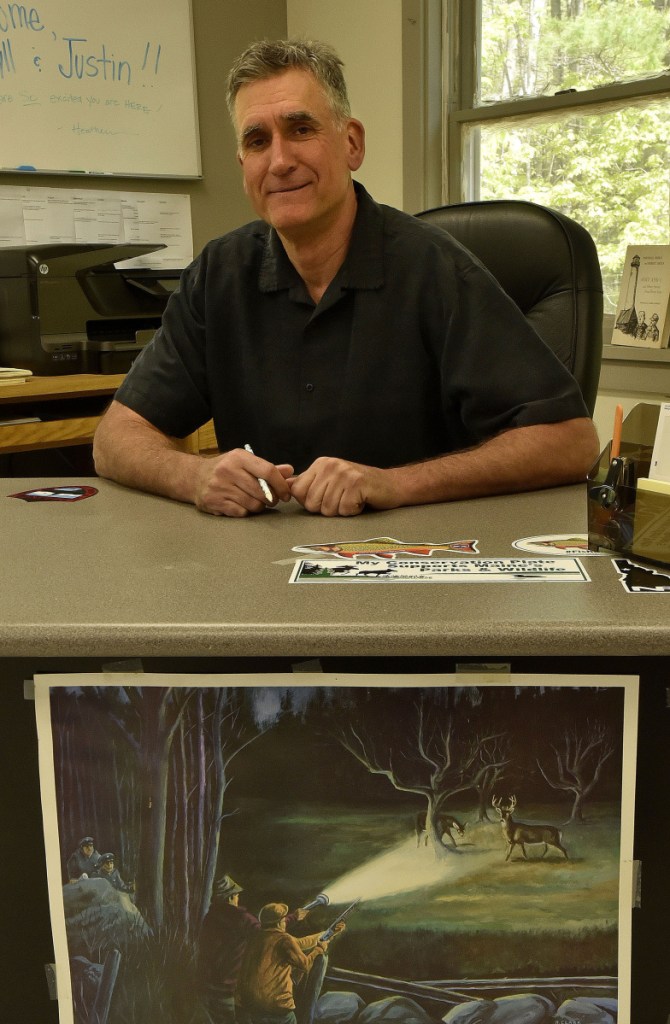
x: 475, y: 830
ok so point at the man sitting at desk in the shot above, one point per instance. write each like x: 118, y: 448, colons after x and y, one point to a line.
x: 362, y: 353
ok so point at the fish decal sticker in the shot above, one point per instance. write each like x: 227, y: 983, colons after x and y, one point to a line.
x: 565, y: 544
x: 556, y: 544
x: 386, y: 547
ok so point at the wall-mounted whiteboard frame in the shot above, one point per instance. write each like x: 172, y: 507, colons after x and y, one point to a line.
x: 89, y: 87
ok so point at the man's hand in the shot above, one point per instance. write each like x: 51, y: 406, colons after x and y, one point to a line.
x: 335, y: 487
x: 337, y: 929
x: 520, y: 459
x: 324, y: 943
x: 227, y: 485
x: 129, y: 449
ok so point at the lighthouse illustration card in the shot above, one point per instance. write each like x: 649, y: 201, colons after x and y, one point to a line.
x: 642, y: 317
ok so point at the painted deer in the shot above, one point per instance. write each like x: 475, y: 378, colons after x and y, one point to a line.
x: 444, y: 823
x: 522, y: 833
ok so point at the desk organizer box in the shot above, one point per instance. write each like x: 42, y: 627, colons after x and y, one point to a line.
x: 621, y: 519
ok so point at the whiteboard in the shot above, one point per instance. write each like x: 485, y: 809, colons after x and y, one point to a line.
x: 89, y: 86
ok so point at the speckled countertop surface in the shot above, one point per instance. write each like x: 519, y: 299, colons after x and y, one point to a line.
x: 132, y: 575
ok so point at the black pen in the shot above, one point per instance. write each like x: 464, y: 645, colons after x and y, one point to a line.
x: 263, y: 484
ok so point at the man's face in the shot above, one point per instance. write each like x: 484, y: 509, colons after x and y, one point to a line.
x: 296, y: 157
x: 108, y: 866
x: 87, y: 849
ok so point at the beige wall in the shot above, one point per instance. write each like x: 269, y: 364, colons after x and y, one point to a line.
x: 223, y: 28
x: 391, y: 52
x: 367, y: 35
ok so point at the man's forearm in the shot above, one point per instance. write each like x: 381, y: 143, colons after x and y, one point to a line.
x: 522, y: 459
x: 128, y: 449
x: 133, y: 452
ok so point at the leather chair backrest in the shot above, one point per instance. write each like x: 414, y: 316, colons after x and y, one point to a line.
x: 548, y: 264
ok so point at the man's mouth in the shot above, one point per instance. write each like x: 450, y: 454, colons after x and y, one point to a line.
x: 289, y: 188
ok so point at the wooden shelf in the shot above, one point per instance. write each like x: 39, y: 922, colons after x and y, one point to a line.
x: 207, y: 438
x: 75, y: 426
x: 636, y: 354
x: 74, y: 385
x: 75, y: 392
x: 29, y: 437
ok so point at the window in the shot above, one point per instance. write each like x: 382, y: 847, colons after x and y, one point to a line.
x: 564, y: 103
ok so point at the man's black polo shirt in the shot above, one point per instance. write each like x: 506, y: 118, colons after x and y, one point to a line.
x: 413, y: 351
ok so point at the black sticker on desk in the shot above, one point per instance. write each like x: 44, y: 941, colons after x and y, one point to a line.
x: 64, y: 493
x: 641, y: 579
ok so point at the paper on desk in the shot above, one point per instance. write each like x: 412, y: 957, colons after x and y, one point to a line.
x: 13, y: 375
x: 660, y: 457
x: 35, y: 215
x: 441, y: 570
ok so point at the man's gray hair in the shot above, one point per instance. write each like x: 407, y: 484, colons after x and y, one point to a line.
x: 270, y: 57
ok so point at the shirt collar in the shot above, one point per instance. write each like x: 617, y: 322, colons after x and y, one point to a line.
x: 363, y: 266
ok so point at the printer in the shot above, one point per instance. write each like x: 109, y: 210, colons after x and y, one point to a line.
x: 66, y: 307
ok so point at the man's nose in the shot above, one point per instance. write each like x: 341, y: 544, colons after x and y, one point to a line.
x: 282, y: 159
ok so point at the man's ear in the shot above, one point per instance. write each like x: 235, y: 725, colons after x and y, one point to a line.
x: 244, y: 180
x: 356, y: 143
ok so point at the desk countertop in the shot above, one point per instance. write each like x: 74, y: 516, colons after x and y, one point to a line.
x: 133, y: 575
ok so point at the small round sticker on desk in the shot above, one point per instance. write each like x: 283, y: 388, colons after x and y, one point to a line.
x: 574, y: 544
x: 65, y: 493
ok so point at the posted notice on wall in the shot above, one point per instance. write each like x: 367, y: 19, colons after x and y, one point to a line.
x: 33, y: 215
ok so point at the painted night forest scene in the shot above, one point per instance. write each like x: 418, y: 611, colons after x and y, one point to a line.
x: 475, y: 826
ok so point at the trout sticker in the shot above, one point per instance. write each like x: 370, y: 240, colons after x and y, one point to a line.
x: 386, y: 547
x: 556, y: 544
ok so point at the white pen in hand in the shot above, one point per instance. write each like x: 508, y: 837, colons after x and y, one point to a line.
x: 263, y: 484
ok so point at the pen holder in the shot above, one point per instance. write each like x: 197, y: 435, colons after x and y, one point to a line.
x: 611, y: 500
x: 622, y: 519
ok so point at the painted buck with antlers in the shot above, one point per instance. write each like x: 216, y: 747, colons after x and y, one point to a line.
x: 522, y: 833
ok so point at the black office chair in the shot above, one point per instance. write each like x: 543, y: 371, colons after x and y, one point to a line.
x: 549, y: 265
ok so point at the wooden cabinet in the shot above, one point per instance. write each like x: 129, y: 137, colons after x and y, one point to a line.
x: 53, y: 412
x: 58, y: 412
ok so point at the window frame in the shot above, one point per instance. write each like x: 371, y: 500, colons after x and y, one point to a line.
x: 462, y: 35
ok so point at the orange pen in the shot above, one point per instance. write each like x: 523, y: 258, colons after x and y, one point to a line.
x: 616, y: 433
